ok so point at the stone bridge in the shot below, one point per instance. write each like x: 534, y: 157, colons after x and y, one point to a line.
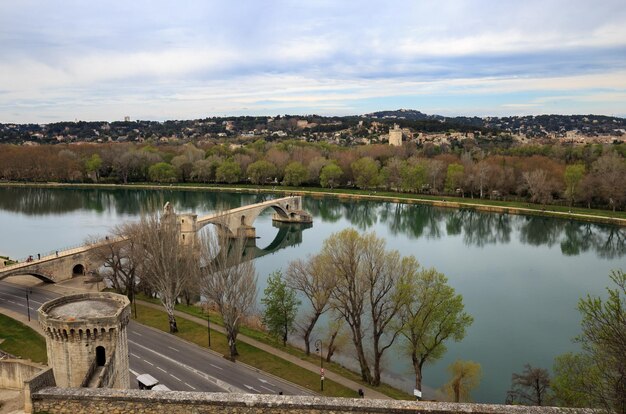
x: 238, y: 222
x: 56, y: 267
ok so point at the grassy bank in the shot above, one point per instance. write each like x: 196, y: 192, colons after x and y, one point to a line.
x: 21, y: 341
x: 250, y: 355
x: 274, y: 342
x: 512, y: 207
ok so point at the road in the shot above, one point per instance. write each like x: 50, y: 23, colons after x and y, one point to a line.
x: 175, y: 363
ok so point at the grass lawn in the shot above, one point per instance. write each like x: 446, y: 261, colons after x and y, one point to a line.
x: 250, y: 355
x: 270, y: 340
x: 22, y: 341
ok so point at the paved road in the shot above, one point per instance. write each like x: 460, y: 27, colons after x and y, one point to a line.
x: 174, y: 362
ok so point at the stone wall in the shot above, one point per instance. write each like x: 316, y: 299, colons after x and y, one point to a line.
x: 88, y: 401
x: 37, y: 382
x: 13, y: 373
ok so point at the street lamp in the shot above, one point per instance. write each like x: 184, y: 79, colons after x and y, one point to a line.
x: 208, y: 322
x: 318, y: 348
x: 28, y: 306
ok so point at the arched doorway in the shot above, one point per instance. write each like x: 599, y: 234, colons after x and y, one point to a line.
x: 243, y: 220
x: 77, y: 270
x: 101, y: 357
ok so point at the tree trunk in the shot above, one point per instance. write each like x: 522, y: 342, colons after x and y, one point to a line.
x: 417, y: 367
x: 232, y: 347
x: 308, y: 331
x: 172, y: 320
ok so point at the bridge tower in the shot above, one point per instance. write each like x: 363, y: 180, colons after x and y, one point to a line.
x: 187, y: 225
x: 86, y: 339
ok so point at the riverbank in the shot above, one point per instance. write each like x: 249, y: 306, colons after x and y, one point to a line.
x: 617, y: 218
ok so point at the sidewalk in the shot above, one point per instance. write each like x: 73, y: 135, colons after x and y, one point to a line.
x: 369, y: 392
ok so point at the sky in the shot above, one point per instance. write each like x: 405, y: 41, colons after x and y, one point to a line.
x: 159, y: 60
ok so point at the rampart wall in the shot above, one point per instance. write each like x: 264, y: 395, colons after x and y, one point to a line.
x: 13, y: 373
x: 89, y: 401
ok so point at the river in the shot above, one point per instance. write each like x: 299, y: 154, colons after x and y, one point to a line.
x: 520, y: 276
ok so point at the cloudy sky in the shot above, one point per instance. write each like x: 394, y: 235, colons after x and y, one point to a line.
x: 103, y: 60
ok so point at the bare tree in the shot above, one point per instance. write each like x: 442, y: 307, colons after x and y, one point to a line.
x: 120, y: 257
x: 167, y: 264
x: 311, y: 279
x: 539, y: 186
x: 228, y: 281
x: 610, y: 170
x: 530, y: 387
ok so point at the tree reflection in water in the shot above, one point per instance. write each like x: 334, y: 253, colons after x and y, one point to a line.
x: 413, y: 220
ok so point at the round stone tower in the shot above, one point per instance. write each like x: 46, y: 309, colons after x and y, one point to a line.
x: 86, y: 339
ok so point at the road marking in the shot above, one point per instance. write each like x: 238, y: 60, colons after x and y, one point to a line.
x: 216, y: 367
x: 148, y: 362
x: 223, y: 385
x: 171, y: 347
x: 21, y: 297
x: 190, y: 386
x: 162, y: 369
x: 266, y: 382
x: 135, y: 373
x: 135, y: 355
x: 269, y: 389
x: 251, y: 388
x: 138, y: 334
x: 175, y: 377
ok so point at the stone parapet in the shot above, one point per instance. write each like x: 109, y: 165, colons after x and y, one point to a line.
x: 79, y: 401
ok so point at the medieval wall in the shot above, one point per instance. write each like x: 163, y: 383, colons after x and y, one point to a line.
x: 88, y: 401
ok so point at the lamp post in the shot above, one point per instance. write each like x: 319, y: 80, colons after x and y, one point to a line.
x: 28, y: 306
x: 208, y: 323
x: 318, y: 348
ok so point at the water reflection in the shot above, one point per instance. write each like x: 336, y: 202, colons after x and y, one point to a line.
x: 412, y: 220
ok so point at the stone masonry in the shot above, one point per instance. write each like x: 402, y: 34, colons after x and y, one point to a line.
x: 82, y: 332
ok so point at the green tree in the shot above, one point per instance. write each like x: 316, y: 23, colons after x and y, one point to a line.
x: 260, y: 171
x: 433, y: 314
x: 465, y: 376
x: 573, y: 175
x: 281, y: 306
x: 454, y: 177
x: 330, y: 175
x: 228, y: 172
x: 574, y: 376
x: 600, y: 371
x: 162, y: 172
x: 365, y: 172
x: 413, y: 177
x: 295, y: 174
x: 93, y: 164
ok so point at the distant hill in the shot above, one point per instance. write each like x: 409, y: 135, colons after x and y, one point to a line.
x: 309, y: 127
x: 529, y: 125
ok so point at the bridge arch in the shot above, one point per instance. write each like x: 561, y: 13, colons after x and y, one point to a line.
x: 78, y: 270
x: 29, y: 272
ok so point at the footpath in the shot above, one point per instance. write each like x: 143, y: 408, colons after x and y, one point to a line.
x: 369, y: 392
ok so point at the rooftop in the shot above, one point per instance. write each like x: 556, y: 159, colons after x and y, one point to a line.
x: 85, y: 308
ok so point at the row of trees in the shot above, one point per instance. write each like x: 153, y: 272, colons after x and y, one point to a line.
x: 594, y: 377
x: 372, y: 293
x: 592, y: 178
x: 376, y: 294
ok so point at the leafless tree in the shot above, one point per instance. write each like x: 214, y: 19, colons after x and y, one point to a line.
x: 530, y: 387
x: 228, y: 281
x: 610, y: 170
x: 167, y: 264
x: 120, y: 258
x: 539, y: 186
x: 310, y: 278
